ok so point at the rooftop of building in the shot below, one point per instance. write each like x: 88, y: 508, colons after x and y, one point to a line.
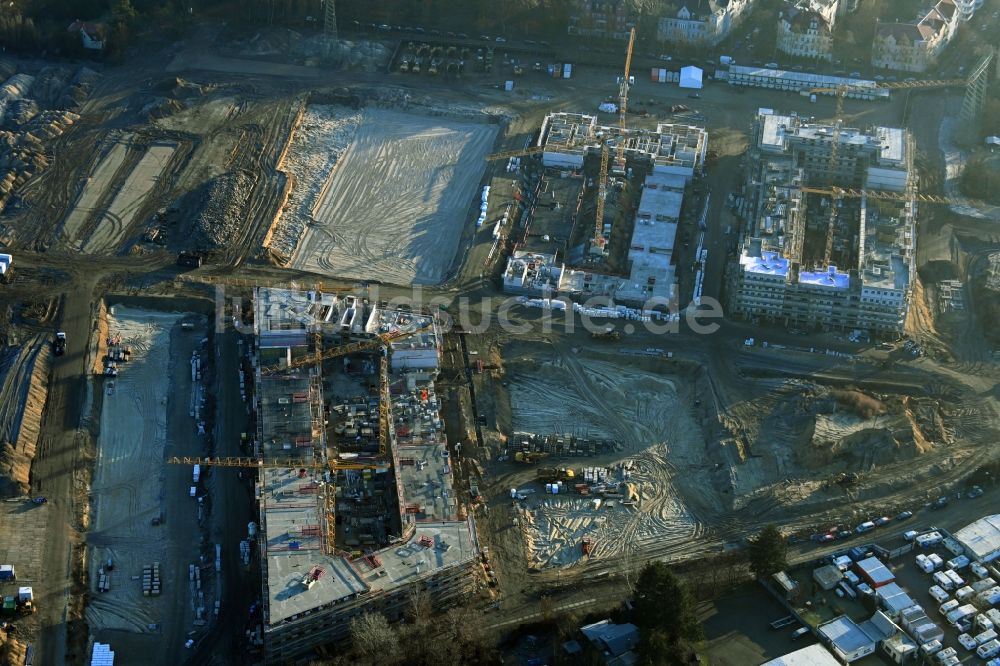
x: 981, y: 538
x: 669, y: 145
x: 767, y: 263
x: 432, y: 547
x: 831, y: 278
x: 533, y: 268
x: 807, y: 80
x: 814, y: 655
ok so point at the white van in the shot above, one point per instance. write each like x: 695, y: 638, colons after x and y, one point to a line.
x: 949, y: 606
x: 986, y: 636
x: 931, y: 647
x: 984, y: 623
x: 938, y: 594
x: 946, y: 654
x: 942, y: 581
x: 983, y: 585
x: 964, y: 593
x: 987, y: 650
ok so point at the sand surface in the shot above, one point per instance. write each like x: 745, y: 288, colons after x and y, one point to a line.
x: 394, y: 205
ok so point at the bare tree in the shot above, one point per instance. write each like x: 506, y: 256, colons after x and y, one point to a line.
x: 374, y: 639
x: 419, y: 610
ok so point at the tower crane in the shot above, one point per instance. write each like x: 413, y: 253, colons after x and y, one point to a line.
x: 623, y: 87
x: 383, y: 340
x: 842, y: 91
x: 519, y: 152
x: 257, y: 463
x: 602, y: 176
x: 854, y: 193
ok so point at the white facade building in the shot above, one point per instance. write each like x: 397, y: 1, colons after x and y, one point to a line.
x: 914, y: 47
x: 805, y: 34
x: 704, y: 22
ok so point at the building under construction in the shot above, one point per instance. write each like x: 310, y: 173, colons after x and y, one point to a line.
x: 816, y: 256
x: 365, y: 510
x: 642, y: 207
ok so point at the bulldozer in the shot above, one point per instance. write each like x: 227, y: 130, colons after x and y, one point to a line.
x: 550, y: 474
x: 529, y: 457
x: 609, y: 333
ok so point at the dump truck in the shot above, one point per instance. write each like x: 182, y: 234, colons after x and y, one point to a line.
x: 474, y: 492
x: 585, y: 546
x: 550, y: 474
x: 529, y: 457
x: 59, y: 344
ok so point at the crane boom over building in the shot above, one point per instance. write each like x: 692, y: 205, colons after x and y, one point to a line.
x: 623, y: 99
x: 258, y: 463
x: 342, y: 350
x: 519, y: 152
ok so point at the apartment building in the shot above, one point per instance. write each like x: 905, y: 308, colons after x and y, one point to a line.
x: 667, y: 159
x: 606, y: 19
x: 350, y: 521
x: 702, y: 22
x: 915, y: 47
x: 791, y: 270
x: 805, y: 33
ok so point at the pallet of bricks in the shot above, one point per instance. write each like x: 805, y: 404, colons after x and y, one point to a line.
x: 151, y: 580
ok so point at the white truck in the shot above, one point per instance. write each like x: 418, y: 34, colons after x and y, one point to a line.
x: 196, y: 474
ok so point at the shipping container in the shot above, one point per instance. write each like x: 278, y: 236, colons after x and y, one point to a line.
x: 7, y: 572
x: 567, y: 70
x: 662, y: 77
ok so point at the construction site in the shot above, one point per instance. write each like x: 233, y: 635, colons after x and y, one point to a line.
x: 291, y: 334
x: 359, y: 508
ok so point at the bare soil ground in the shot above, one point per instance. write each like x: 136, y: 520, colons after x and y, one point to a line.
x: 22, y: 536
x: 579, y: 392
x: 93, y: 190
x: 127, y: 204
x: 144, y: 412
x: 24, y: 371
x: 394, y: 206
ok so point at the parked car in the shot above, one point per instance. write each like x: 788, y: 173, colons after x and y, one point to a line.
x: 40, y: 500
x: 975, y: 492
x: 904, y: 515
x: 884, y: 520
x: 695, y: 95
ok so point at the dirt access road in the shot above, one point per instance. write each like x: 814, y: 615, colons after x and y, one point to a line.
x: 55, y: 471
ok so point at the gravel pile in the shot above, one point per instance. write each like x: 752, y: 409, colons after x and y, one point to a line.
x: 161, y: 107
x: 22, y: 96
x: 220, y: 204
x: 20, y: 112
x: 321, y: 138
x: 50, y: 84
